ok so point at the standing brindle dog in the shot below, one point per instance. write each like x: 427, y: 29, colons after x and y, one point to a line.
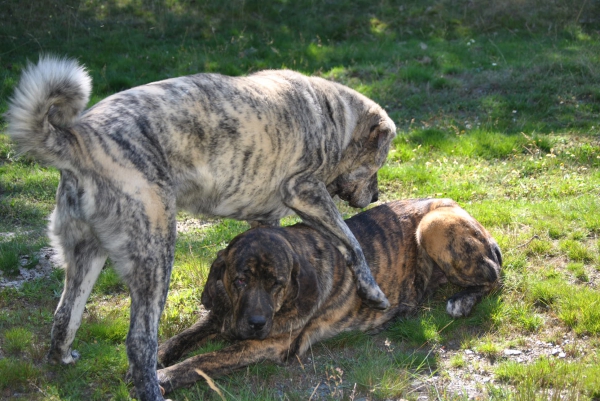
x: 275, y: 291
x: 251, y: 148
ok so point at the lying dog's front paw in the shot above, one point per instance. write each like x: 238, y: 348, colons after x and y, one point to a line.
x: 164, y: 381
x: 460, y: 306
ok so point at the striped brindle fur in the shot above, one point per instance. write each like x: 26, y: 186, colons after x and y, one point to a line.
x: 275, y: 291
x: 252, y: 148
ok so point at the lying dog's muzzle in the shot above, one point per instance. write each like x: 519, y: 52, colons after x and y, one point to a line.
x: 254, y: 322
x: 257, y: 322
x: 256, y: 327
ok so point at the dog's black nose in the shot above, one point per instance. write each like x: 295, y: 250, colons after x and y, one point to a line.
x: 257, y: 322
x: 375, y: 197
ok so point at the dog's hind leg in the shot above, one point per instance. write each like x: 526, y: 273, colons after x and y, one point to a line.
x: 145, y: 261
x: 83, y: 260
x: 148, y: 295
x: 461, y: 303
x: 311, y: 201
x: 465, y: 252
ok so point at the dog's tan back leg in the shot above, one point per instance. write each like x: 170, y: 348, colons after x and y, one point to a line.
x: 464, y: 251
x: 83, y: 259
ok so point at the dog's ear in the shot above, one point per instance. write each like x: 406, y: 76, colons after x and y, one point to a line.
x: 381, y: 133
x: 213, y: 288
x: 305, y: 285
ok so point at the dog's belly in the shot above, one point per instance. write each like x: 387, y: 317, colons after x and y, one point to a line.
x: 235, y: 208
x: 254, y: 201
x: 247, y: 210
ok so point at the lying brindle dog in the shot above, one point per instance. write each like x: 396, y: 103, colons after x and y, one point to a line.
x: 275, y: 291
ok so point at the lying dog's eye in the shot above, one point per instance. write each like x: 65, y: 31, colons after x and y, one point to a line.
x: 240, y: 282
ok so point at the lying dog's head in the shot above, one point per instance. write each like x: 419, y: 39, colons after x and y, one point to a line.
x: 355, y: 179
x: 259, y: 282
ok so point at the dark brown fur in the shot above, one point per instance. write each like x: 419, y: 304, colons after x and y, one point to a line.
x: 275, y: 291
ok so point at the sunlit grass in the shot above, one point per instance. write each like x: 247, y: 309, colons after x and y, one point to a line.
x: 17, y: 340
x: 553, y: 373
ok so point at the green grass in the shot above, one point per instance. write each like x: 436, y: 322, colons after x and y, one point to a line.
x: 489, y: 347
x: 17, y: 339
x: 556, y: 374
x: 15, y: 373
x: 13, y: 247
x: 9, y: 258
x: 385, y: 375
x: 496, y: 105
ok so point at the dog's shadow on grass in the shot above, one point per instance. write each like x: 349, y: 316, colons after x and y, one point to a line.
x: 432, y: 326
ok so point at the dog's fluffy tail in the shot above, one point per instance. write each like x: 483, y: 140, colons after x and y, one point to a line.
x: 46, y: 104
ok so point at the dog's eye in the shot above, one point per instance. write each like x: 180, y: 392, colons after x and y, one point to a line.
x: 240, y: 282
x: 276, y: 287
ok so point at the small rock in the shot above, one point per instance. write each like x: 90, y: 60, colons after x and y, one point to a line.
x: 509, y: 352
x: 562, y: 355
x: 469, y: 352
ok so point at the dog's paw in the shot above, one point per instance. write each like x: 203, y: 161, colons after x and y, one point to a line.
x: 165, y: 381
x: 460, y: 306
x: 54, y: 358
x: 372, y: 296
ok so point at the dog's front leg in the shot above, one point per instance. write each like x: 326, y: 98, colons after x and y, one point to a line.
x: 311, y: 201
x: 172, y: 349
x: 236, y: 356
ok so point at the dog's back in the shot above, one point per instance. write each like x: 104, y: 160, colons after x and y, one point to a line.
x: 412, y: 246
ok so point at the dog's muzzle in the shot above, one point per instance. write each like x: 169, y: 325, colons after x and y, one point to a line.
x: 257, y: 322
x: 254, y: 327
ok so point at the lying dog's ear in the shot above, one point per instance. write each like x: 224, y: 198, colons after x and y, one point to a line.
x: 305, y: 285
x: 214, y: 284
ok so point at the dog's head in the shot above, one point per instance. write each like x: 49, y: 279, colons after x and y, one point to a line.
x: 261, y: 275
x: 355, y: 180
